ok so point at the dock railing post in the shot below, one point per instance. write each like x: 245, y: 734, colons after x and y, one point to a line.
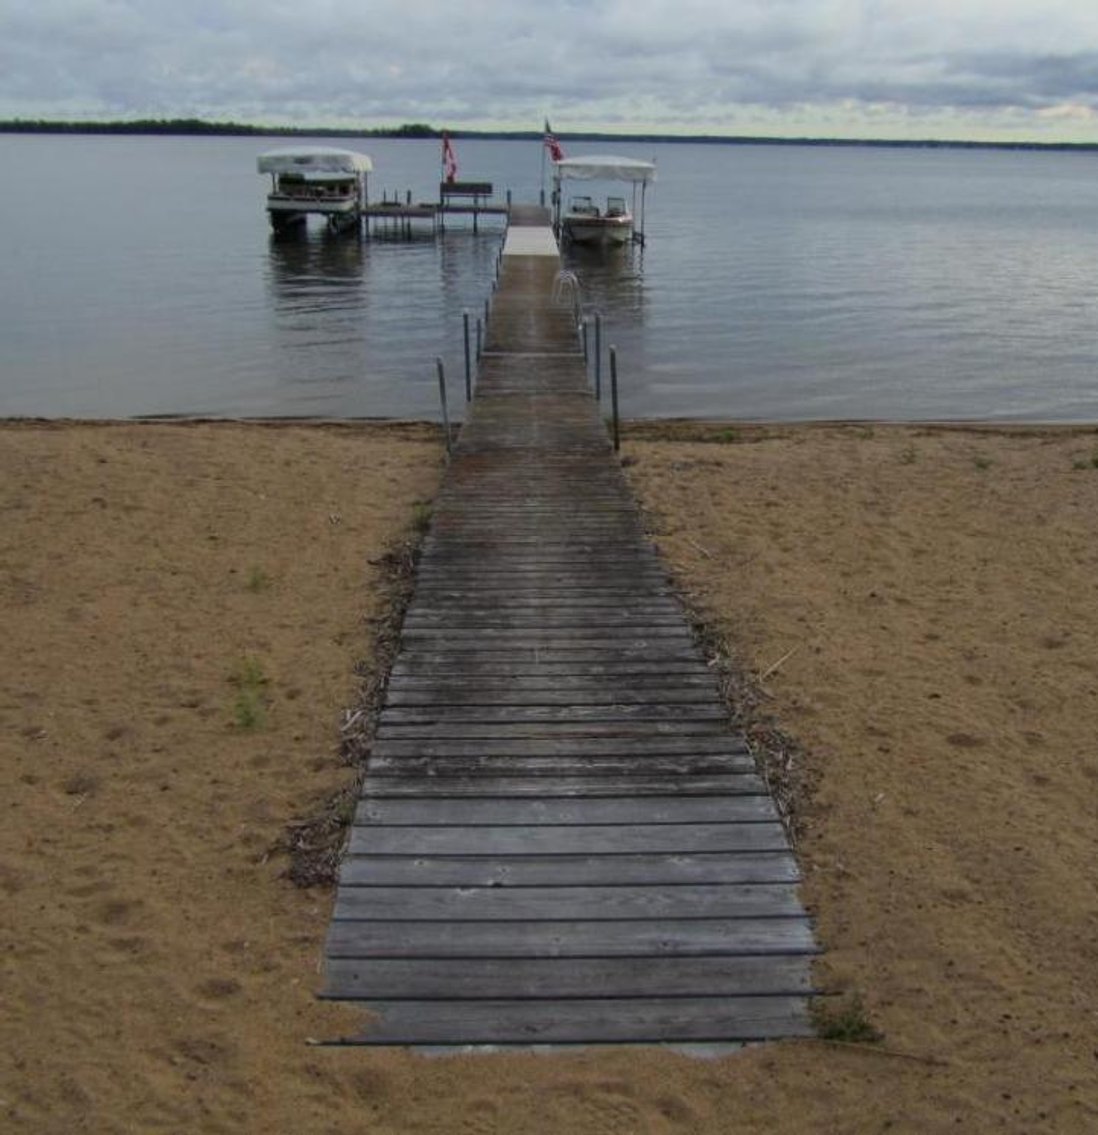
x: 442, y: 399
x: 598, y: 356
x: 614, y: 396
x: 468, y: 361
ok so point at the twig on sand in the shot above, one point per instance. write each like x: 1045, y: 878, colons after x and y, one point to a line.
x: 784, y: 658
x: 878, y: 1050
x: 704, y: 551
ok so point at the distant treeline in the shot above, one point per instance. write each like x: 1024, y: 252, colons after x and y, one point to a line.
x: 184, y: 126
x: 192, y: 126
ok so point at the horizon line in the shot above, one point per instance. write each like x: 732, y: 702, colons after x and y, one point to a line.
x: 182, y: 126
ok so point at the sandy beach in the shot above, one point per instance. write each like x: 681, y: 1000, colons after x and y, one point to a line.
x: 190, y: 610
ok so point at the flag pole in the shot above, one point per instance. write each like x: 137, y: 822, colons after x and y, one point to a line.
x: 543, y: 149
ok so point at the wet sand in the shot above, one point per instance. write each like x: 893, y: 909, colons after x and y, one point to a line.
x: 190, y: 610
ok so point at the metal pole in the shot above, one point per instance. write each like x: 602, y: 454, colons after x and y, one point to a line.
x: 480, y: 339
x: 468, y: 364
x: 598, y: 356
x: 614, y: 395
x: 585, y: 321
x: 442, y: 399
x: 487, y: 309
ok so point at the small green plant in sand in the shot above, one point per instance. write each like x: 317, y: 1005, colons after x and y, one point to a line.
x: 908, y: 456
x: 845, y: 1022
x: 250, y: 704
x: 982, y: 462
x: 421, y: 516
x: 257, y: 580
x: 728, y: 436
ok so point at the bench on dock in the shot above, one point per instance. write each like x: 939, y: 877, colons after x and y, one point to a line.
x: 479, y: 191
x: 472, y: 197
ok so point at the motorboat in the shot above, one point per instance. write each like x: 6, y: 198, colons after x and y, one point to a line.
x: 584, y: 222
x: 329, y: 182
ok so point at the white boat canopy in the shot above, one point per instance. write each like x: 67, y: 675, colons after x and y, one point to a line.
x: 313, y: 160
x: 608, y: 167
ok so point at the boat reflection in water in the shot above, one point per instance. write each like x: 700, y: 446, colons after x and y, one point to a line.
x: 318, y: 290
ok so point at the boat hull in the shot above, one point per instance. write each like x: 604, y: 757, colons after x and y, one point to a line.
x: 326, y: 206
x: 602, y: 231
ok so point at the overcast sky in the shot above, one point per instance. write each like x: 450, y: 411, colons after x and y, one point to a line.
x: 994, y: 69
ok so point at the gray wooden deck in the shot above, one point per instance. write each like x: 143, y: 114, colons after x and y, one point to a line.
x: 559, y: 840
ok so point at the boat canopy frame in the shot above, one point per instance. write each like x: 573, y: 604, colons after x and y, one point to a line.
x: 604, y: 167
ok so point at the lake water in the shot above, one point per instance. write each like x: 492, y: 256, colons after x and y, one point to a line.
x: 139, y: 278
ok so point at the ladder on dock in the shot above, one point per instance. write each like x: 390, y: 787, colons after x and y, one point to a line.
x: 559, y: 840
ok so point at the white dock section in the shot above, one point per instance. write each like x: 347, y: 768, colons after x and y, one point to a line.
x: 530, y: 241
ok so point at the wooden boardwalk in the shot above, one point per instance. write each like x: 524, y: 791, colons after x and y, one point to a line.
x: 559, y: 840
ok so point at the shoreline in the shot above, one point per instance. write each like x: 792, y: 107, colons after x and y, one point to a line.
x: 915, y: 605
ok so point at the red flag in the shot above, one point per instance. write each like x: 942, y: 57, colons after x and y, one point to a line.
x: 449, y: 158
x: 556, y: 153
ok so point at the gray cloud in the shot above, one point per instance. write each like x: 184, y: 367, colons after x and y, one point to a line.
x: 690, y: 65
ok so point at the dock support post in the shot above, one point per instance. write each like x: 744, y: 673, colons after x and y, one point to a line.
x: 614, y: 395
x: 585, y: 323
x: 598, y: 356
x: 480, y: 340
x: 468, y: 361
x: 442, y: 399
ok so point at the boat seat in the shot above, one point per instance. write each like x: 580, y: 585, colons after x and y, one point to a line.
x: 615, y: 207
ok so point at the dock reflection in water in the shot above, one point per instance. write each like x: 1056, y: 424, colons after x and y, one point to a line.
x: 612, y: 284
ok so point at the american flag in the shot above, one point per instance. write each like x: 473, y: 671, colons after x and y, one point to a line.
x: 449, y: 158
x: 556, y: 154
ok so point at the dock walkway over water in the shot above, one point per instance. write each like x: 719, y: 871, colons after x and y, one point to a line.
x: 559, y: 839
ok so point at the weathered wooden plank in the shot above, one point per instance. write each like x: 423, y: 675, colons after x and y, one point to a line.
x: 623, y: 809
x: 409, y: 666
x: 487, y: 730
x: 529, y: 695
x: 715, y: 743
x: 690, y: 676
x: 432, y: 609
x: 579, y: 574
x: 695, y: 937
x: 523, y: 593
x: 651, y: 638
x: 592, y: 714
x: 572, y: 870
x: 588, y: 839
x: 447, y: 769
x: 557, y: 903
x: 614, y: 1021
x: 558, y: 786
x: 462, y: 979
x: 590, y: 619
x: 616, y: 653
